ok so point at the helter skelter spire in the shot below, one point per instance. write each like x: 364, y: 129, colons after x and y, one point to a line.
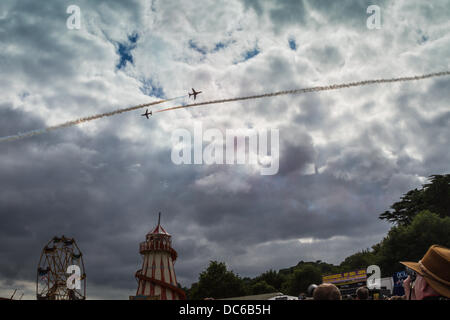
x: 157, y: 279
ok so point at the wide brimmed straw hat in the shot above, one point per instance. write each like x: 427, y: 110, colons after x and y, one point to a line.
x: 435, y: 268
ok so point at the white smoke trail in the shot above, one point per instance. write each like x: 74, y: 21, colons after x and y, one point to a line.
x: 81, y: 120
x: 295, y: 91
x: 312, y: 89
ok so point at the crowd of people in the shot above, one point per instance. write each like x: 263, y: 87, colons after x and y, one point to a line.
x: 428, y: 279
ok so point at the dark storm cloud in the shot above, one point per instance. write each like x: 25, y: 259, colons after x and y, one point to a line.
x: 33, y: 25
x: 437, y: 11
x: 294, y: 12
x: 282, y: 207
x: 255, y: 5
x: 314, y: 111
x: 283, y: 13
x: 78, y: 187
x: 11, y: 120
x: 440, y: 90
x: 288, y: 13
x: 326, y: 57
x: 297, y: 155
x: 427, y: 125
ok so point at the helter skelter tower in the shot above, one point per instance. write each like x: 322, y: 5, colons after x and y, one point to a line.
x: 157, y: 278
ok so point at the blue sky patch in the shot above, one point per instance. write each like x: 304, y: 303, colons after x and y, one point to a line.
x: 423, y: 39
x: 153, y: 7
x: 152, y: 89
x: 195, y: 47
x: 292, y: 44
x: 219, y: 46
x: 251, y: 54
x: 124, y: 51
x: 23, y: 95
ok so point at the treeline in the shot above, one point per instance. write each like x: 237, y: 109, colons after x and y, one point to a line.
x: 420, y: 219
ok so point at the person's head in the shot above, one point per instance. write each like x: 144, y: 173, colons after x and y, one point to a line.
x: 418, y: 289
x: 432, y: 275
x: 362, y: 293
x: 311, y: 289
x: 327, y: 291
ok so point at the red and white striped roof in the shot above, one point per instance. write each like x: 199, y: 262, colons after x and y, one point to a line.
x: 159, y: 230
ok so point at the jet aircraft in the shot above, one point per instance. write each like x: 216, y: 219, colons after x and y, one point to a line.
x: 146, y: 114
x: 194, y: 93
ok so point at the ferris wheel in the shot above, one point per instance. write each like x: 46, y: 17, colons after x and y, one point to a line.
x: 60, y: 273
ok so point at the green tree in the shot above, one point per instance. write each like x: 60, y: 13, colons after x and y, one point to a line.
x: 359, y: 260
x: 302, y: 277
x: 261, y: 287
x: 410, y: 242
x: 433, y: 196
x: 217, y: 282
x: 272, y: 278
x: 192, y: 292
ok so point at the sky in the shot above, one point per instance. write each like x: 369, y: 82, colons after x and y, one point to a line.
x: 344, y: 156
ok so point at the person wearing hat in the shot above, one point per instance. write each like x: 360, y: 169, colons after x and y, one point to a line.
x: 432, y: 275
